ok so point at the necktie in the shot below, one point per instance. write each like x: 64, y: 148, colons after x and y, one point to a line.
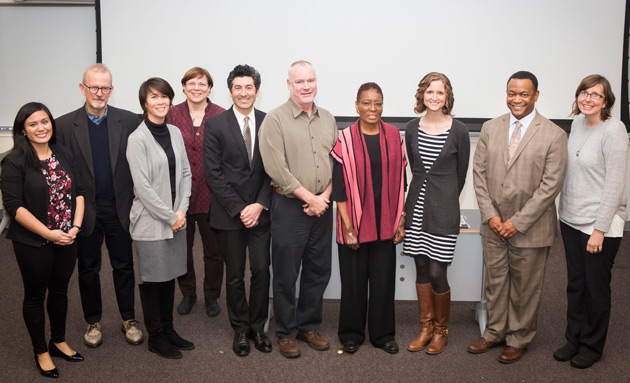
x: 247, y: 136
x: 514, y: 141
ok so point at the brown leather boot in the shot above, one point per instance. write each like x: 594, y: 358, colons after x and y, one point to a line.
x: 442, y: 315
x: 427, y: 315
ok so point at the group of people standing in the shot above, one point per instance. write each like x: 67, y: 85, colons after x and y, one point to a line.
x: 243, y: 177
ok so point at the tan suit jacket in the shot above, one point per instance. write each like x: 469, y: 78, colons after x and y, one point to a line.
x: 526, y: 191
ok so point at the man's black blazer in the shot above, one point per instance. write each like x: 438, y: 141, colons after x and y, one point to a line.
x: 233, y: 182
x: 24, y: 186
x: 73, y: 133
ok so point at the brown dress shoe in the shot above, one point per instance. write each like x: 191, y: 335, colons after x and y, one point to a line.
x: 511, y: 354
x: 315, y: 340
x: 289, y: 347
x: 480, y: 346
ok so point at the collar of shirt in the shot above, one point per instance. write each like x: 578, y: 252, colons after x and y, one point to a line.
x: 240, y: 117
x: 295, y: 108
x: 94, y: 118
x: 525, y: 122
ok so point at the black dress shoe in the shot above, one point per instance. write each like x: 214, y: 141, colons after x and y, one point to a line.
x: 56, y: 352
x: 241, y: 344
x: 390, y: 346
x: 261, y: 341
x: 54, y: 373
x: 212, y: 307
x: 186, y: 305
x: 351, y: 346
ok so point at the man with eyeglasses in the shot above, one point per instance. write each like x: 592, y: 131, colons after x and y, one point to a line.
x: 295, y: 143
x: 518, y: 170
x: 97, y: 135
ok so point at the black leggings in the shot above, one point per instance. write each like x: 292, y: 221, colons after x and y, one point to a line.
x: 45, y: 268
x: 429, y: 271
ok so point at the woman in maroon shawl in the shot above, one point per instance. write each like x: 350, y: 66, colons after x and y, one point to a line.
x: 369, y: 187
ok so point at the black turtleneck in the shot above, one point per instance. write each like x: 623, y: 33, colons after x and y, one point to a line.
x: 163, y: 137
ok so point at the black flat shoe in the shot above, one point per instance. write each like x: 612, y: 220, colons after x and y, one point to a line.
x: 261, y: 341
x: 54, y: 373
x: 240, y: 346
x: 186, y: 304
x: 56, y: 352
x: 565, y: 353
x: 390, y: 347
x: 583, y: 361
x: 212, y: 307
x: 351, y: 347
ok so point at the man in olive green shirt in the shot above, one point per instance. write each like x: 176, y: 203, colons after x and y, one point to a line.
x: 295, y: 142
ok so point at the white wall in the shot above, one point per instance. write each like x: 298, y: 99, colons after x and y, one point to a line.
x: 43, y: 52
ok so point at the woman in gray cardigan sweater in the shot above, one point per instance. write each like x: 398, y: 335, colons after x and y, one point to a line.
x: 161, y: 182
x: 592, y: 218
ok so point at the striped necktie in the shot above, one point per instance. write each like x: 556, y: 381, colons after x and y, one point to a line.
x: 514, y: 141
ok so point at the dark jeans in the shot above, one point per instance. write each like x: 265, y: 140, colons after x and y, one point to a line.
x: 588, y: 291
x: 212, y: 259
x: 246, y: 316
x: 373, y: 264
x: 118, y: 243
x: 45, y: 268
x: 299, y: 240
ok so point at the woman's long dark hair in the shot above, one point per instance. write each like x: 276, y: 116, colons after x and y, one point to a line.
x: 21, y: 144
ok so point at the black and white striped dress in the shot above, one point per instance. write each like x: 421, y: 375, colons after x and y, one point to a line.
x: 438, y: 247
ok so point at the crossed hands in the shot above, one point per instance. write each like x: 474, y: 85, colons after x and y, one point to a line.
x: 181, y: 221
x: 61, y: 238
x: 316, y: 206
x: 503, y: 230
x: 249, y: 216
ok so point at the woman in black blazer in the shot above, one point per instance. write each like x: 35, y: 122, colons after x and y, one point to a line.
x: 42, y: 194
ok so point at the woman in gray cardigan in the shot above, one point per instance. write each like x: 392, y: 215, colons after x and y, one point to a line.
x: 438, y: 149
x: 161, y: 182
x: 592, y: 218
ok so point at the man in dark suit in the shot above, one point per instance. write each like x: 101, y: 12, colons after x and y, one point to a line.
x: 241, y: 194
x: 97, y: 135
x: 518, y: 170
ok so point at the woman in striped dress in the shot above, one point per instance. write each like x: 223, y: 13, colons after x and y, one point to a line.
x: 438, y: 150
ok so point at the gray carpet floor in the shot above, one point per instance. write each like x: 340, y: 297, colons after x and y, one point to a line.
x: 213, y: 360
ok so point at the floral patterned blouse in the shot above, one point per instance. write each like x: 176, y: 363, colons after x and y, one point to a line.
x: 59, y: 191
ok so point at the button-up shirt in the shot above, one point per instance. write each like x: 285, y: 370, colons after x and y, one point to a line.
x: 179, y: 115
x: 94, y: 118
x: 295, y: 147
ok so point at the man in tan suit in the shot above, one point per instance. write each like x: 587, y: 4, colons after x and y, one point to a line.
x: 518, y: 169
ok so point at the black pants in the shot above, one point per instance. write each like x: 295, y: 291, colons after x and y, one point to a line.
x: 372, y: 264
x: 246, y: 316
x: 118, y: 242
x: 298, y: 240
x: 588, y: 291
x: 212, y: 259
x: 45, y: 268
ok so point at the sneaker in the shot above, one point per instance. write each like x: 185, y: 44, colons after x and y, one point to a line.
x: 133, y: 334
x: 93, y: 336
x: 315, y: 340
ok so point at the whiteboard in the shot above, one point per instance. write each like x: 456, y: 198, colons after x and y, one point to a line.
x: 478, y: 44
x: 43, y: 52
